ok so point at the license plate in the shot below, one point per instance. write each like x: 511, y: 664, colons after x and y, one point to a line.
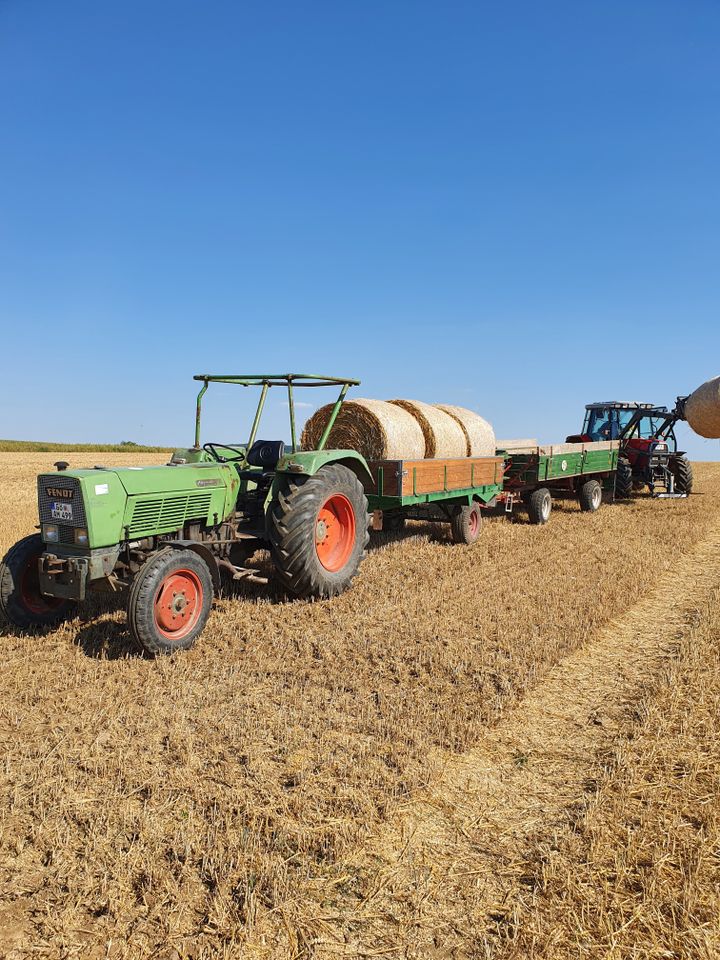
x: 61, y: 511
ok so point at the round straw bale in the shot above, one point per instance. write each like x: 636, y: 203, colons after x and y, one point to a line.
x: 702, y: 409
x: 377, y: 430
x: 479, y: 434
x: 444, y: 437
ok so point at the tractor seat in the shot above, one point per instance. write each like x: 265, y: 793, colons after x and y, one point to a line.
x: 264, y: 454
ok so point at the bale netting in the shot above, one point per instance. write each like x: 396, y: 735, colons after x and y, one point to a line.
x: 479, y: 435
x: 702, y: 409
x: 376, y: 429
x: 444, y: 437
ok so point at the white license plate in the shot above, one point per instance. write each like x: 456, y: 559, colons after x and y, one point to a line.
x: 61, y: 511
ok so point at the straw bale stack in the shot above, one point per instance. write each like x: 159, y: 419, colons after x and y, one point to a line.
x: 702, y: 409
x: 376, y: 429
x: 479, y: 435
x: 444, y: 436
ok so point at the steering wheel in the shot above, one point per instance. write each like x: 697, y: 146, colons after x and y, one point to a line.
x: 211, y: 449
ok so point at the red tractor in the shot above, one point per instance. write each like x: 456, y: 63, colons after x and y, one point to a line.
x: 648, y: 448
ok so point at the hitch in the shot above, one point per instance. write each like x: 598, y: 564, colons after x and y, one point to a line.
x: 64, y: 577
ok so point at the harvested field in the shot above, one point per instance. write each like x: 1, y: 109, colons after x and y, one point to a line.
x: 476, y: 752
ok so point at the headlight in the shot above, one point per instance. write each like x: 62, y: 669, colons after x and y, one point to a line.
x: 50, y: 532
x: 81, y: 537
x: 661, y: 446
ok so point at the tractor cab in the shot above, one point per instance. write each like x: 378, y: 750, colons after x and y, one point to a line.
x: 638, y: 424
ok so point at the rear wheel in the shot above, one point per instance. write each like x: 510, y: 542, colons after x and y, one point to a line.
x: 539, y: 505
x: 170, y: 600
x: 318, y: 529
x: 590, y: 496
x: 466, y: 523
x: 623, y: 479
x: 683, y: 473
x: 20, y: 598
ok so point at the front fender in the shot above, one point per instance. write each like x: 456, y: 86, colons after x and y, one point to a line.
x: 202, y: 551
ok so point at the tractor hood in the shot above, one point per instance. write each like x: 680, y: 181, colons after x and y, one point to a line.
x: 168, y: 479
x: 121, y: 502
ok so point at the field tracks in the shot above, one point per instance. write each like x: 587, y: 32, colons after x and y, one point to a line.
x: 459, y: 858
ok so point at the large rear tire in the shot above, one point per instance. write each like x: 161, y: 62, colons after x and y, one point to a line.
x: 318, y: 530
x: 623, y: 479
x: 539, y: 505
x: 20, y: 597
x: 170, y: 601
x: 682, y: 471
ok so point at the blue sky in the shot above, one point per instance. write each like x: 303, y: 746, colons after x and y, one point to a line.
x: 513, y: 207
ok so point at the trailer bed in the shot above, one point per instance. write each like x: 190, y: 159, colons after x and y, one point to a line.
x: 403, y: 483
x: 556, y: 464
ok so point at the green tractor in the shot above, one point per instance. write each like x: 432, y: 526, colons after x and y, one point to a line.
x: 167, y: 534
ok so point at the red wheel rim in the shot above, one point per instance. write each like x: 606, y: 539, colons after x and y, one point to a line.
x: 178, y: 604
x: 474, y: 523
x: 32, y: 599
x: 335, y: 532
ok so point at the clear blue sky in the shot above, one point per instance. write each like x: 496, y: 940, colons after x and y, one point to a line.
x: 510, y: 206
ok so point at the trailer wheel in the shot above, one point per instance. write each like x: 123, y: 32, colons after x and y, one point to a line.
x: 623, y: 479
x: 20, y: 597
x: 539, y: 505
x: 465, y: 524
x: 590, y: 496
x: 682, y: 471
x: 318, y: 528
x: 170, y: 600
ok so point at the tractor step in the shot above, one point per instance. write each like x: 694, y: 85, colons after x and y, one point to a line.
x: 669, y: 496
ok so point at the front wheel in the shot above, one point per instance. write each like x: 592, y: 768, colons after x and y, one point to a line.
x: 170, y: 600
x: 20, y: 598
x: 683, y: 473
x: 318, y: 530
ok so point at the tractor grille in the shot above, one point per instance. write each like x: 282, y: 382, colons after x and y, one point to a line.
x: 170, y: 513
x: 46, y: 498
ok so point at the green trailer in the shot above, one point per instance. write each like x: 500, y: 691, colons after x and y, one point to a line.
x: 535, y: 474
x: 450, y: 491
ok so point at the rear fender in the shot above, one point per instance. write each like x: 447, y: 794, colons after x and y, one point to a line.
x: 308, y: 462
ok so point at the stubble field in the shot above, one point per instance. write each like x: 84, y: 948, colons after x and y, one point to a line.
x: 506, y: 750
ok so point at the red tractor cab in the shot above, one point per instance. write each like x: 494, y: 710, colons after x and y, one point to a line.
x: 648, y: 447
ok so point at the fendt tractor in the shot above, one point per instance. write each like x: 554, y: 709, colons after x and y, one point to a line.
x: 166, y: 533
x: 648, y: 447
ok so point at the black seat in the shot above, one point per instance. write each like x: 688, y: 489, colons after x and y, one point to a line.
x: 264, y: 454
